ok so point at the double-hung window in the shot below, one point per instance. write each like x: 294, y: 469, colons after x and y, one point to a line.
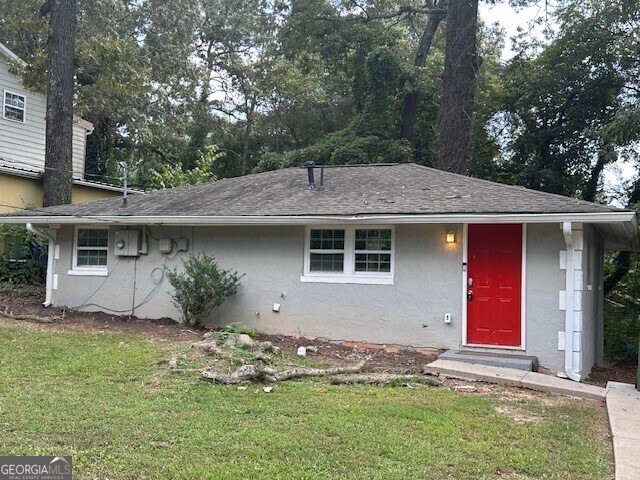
x: 349, y: 255
x: 326, y: 250
x: 14, y: 107
x: 90, y: 251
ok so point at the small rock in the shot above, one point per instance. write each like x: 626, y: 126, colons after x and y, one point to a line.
x: 302, y: 352
x: 269, y: 347
x: 312, y: 349
x: 260, y: 357
x: 465, y: 388
x: 267, y: 389
x: 241, y: 340
x: 210, y: 335
x: 241, y: 388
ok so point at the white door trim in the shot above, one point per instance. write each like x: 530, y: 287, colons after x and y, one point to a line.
x: 523, y: 286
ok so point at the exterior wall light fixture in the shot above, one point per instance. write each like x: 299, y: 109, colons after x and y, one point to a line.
x: 451, y: 236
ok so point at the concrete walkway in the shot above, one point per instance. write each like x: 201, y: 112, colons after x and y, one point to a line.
x: 623, y: 403
x: 516, y: 378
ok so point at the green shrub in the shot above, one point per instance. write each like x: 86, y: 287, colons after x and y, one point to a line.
x: 22, y: 272
x: 233, y: 328
x: 201, y: 287
x: 19, y: 243
x: 621, y: 331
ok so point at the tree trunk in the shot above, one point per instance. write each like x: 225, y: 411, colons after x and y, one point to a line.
x: 458, y: 85
x: 57, y: 182
x: 623, y: 259
x: 248, y: 131
x: 605, y: 155
x: 411, y: 99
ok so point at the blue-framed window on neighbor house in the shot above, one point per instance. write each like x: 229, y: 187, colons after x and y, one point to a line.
x: 349, y: 255
x: 14, y: 106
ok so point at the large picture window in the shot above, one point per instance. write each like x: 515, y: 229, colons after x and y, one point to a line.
x: 90, y: 252
x: 349, y: 255
x: 14, y: 107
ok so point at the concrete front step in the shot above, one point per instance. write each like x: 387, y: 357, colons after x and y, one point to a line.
x: 515, y: 378
x: 519, y: 362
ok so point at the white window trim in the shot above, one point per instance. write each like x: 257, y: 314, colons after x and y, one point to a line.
x: 4, y: 105
x: 349, y: 274
x: 88, y: 270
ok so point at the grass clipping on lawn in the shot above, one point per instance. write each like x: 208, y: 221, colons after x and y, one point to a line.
x: 225, y: 347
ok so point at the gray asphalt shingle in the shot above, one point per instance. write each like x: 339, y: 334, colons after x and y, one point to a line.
x: 364, y: 190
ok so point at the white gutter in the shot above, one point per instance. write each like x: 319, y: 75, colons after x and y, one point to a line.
x: 50, y: 254
x: 605, y: 217
x: 569, y: 303
x: 32, y: 174
x: 103, y: 186
x: 19, y: 172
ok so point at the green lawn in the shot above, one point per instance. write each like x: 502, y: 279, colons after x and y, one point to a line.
x: 104, y: 399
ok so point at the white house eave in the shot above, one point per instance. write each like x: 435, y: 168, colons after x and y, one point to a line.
x: 102, y: 186
x: 9, y: 54
x: 604, y: 217
x: 88, y: 126
x: 17, y: 172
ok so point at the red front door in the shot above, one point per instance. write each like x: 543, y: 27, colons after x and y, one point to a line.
x: 494, y: 285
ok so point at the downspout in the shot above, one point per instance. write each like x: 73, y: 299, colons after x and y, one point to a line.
x: 569, y: 303
x: 50, y: 254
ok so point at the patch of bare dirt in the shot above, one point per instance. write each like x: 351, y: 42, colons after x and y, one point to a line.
x: 624, y: 371
x: 29, y: 302
x: 517, y: 415
x: 383, y: 358
x: 506, y: 394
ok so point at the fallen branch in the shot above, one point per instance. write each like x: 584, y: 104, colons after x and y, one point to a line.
x: 319, y: 372
x: 33, y: 318
x: 261, y: 372
x: 383, y: 379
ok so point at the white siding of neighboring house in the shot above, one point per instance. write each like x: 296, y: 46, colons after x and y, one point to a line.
x: 79, y: 148
x: 22, y: 145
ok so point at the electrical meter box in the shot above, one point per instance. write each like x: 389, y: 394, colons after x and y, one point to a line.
x: 126, y: 243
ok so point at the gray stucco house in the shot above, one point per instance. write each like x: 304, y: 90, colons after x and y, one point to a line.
x: 393, y: 254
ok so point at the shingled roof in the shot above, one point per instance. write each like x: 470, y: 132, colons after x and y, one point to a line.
x: 405, y: 189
